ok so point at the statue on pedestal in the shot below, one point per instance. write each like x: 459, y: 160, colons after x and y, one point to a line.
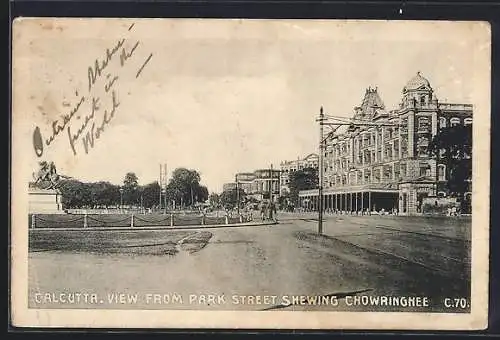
x: 47, y: 177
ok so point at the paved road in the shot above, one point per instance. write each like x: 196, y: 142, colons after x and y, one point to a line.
x: 363, y: 255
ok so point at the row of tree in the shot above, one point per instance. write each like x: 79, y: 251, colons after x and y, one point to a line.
x: 184, y: 189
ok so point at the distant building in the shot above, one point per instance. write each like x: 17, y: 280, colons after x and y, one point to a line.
x: 389, y: 167
x: 258, y: 184
x: 246, y: 181
x: 288, y: 167
x: 266, y: 182
x: 229, y: 186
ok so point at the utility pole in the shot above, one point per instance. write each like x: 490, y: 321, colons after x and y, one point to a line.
x: 320, y: 170
x: 237, y: 195
x: 271, y: 194
x: 161, y: 184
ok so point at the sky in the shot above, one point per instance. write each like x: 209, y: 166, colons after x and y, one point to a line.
x: 218, y: 96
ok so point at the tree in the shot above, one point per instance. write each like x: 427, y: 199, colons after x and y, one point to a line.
x: 229, y: 198
x: 452, y: 146
x: 130, y: 188
x: 304, y: 179
x: 75, y: 194
x: 201, y: 194
x: 150, y: 194
x: 215, y: 200
x: 184, y: 187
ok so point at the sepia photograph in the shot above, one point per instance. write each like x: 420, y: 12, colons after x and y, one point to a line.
x: 230, y: 173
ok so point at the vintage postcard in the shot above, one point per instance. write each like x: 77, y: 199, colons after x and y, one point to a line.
x: 275, y: 174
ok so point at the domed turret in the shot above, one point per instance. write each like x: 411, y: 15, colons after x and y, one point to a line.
x: 416, y: 83
x: 418, y: 93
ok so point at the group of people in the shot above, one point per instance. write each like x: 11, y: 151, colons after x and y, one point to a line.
x: 267, y: 211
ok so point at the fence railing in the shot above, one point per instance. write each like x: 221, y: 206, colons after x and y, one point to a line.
x: 41, y: 221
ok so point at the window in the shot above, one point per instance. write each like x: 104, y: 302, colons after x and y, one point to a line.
x: 396, y: 171
x: 423, y: 124
x: 360, y: 177
x: 425, y: 170
x: 442, y: 122
x: 441, y: 172
x: 454, y: 121
x: 404, y: 147
x: 404, y: 124
x: 387, y: 173
x: 367, y: 176
x: 403, y: 169
x: 422, y: 146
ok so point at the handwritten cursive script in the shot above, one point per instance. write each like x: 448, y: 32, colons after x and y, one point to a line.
x: 57, y: 127
x: 95, y: 71
x: 95, y: 133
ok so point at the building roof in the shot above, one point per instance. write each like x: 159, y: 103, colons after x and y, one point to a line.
x: 311, y: 155
x: 416, y: 82
x: 371, y: 102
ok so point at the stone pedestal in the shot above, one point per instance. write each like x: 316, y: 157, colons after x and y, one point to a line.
x: 44, y: 201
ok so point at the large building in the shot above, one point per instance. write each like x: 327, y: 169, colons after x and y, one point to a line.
x: 388, y: 167
x: 288, y: 167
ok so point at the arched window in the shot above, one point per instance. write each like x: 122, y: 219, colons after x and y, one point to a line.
x: 442, y: 122
x: 454, y: 121
x: 441, y: 194
x: 422, y: 146
x: 423, y: 124
x: 441, y: 172
x: 467, y: 121
x: 425, y: 169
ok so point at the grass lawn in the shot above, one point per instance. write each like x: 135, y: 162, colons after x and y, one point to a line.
x: 146, y: 242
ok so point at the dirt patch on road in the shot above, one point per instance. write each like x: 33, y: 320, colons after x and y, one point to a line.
x: 195, y: 242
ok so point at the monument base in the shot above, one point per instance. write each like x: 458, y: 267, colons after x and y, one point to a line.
x: 45, y: 201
